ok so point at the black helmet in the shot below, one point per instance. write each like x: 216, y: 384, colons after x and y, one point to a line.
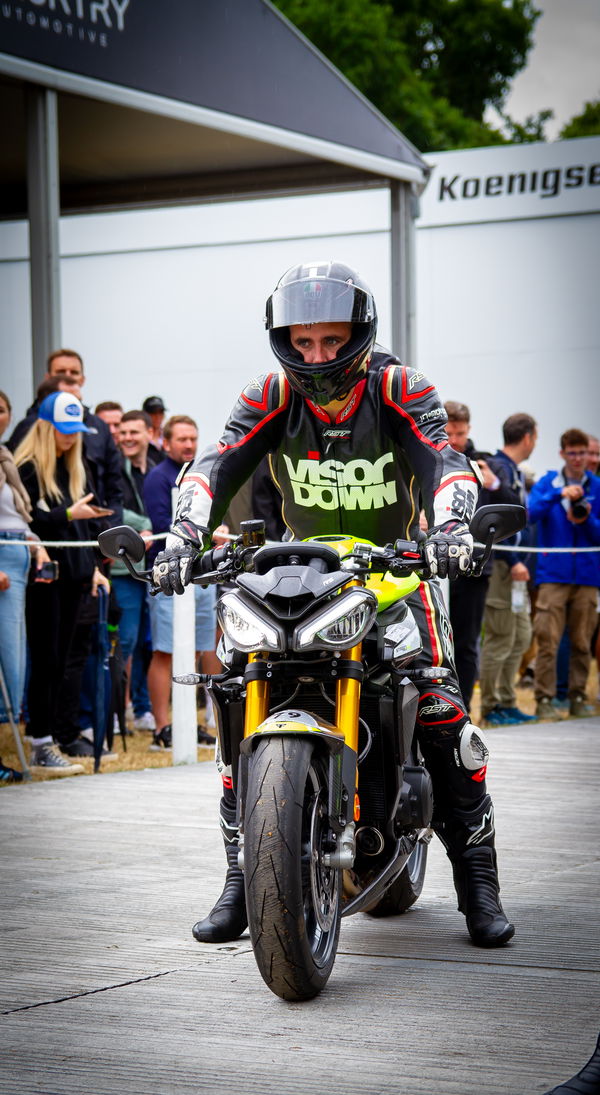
x: 322, y: 292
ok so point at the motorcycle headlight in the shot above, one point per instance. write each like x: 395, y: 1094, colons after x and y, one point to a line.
x: 343, y: 623
x: 247, y: 629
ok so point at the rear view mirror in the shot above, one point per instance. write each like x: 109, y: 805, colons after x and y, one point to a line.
x: 497, y: 521
x: 112, y: 540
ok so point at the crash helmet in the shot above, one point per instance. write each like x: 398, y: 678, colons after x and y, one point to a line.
x: 322, y: 292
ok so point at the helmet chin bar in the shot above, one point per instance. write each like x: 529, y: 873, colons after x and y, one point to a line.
x: 325, y: 382
x: 322, y: 292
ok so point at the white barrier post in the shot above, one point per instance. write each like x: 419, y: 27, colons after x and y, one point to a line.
x: 184, y: 720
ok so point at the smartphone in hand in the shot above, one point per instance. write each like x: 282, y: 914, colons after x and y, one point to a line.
x: 48, y: 572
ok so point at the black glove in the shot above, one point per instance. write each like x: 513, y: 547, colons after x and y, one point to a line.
x: 172, y: 570
x: 449, y: 550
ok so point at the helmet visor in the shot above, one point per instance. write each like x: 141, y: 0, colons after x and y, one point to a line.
x: 318, y: 301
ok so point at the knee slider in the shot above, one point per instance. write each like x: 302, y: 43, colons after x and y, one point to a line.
x: 471, y: 752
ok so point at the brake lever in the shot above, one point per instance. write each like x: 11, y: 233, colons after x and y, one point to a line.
x: 477, y: 569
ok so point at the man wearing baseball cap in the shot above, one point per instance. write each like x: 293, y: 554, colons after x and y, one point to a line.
x: 155, y: 407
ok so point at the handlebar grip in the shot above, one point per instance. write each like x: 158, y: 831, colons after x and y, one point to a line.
x: 208, y: 562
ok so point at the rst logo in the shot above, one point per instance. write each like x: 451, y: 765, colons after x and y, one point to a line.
x: 330, y: 484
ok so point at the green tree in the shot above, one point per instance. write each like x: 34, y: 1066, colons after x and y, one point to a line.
x: 532, y: 129
x: 468, y: 50
x: 431, y: 66
x: 586, y: 124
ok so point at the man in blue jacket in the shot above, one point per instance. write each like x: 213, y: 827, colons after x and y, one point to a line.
x: 566, y: 506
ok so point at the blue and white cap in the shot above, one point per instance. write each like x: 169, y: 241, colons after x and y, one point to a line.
x: 64, y: 412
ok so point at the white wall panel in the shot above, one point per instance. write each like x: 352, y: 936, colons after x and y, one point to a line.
x: 171, y: 301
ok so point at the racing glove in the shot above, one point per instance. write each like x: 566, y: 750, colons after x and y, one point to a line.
x: 449, y: 550
x: 172, y: 569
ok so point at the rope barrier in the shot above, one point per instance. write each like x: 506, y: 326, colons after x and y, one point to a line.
x: 68, y: 543
x: 525, y: 549
x: 522, y: 550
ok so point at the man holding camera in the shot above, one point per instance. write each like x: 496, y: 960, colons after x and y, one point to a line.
x: 566, y: 506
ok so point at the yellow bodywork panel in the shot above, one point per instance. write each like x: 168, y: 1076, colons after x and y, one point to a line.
x: 386, y: 588
x: 273, y: 725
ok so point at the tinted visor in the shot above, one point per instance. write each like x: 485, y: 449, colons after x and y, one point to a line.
x: 318, y: 301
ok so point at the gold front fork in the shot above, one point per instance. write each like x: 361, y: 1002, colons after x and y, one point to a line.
x: 347, y: 704
x: 257, y: 700
x: 347, y: 701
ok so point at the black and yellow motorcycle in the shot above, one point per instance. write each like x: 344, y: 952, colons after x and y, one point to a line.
x: 316, y: 711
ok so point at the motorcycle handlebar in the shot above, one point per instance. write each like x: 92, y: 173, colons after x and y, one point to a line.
x: 204, y: 567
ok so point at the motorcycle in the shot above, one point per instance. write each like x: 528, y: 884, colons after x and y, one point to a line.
x: 316, y: 712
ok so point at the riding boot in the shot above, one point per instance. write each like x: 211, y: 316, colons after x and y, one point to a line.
x: 468, y: 836
x: 587, y: 1080
x: 227, y: 920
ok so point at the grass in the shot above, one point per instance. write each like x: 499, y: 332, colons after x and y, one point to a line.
x: 138, y: 756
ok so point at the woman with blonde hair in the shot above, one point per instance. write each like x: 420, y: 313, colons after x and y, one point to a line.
x: 61, y: 492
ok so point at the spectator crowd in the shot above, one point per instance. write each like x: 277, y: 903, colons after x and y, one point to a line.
x: 67, y: 473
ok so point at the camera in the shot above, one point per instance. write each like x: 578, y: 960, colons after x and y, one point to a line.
x: 579, y: 509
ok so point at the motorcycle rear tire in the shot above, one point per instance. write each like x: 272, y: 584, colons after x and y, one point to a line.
x: 406, y: 889
x: 293, y: 901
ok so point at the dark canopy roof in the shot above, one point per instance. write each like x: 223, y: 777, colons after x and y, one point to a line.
x: 174, y: 101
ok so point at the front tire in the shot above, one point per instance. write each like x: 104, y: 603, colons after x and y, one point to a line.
x: 293, y: 900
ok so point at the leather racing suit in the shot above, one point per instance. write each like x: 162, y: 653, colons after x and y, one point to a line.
x: 363, y: 474
x: 366, y: 474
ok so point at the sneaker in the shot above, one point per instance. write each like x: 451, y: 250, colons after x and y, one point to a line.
x: 9, y: 775
x: 496, y: 717
x: 47, y: 758
x: 204, y: 738
x: 546, y: 711
x: 516, y: 715
x: 127, y: 733
x: 83, y: 746
x: 145, y: 722
x: 527, y: 680
x: 579, y: 708
x: 560, y: 704
x: 162, y: 739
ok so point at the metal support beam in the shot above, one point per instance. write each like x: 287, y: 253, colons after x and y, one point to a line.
x: 44, y: 210
x: 403, y: 210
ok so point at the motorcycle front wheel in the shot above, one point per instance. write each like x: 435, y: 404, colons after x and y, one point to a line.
x: 293, y: 900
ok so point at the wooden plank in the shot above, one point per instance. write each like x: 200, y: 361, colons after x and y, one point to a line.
x: 104, y: 990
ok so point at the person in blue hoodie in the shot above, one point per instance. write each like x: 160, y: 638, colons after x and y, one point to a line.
x: 565, y: 505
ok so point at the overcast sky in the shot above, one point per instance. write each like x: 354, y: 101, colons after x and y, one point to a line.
x: 563, y: 70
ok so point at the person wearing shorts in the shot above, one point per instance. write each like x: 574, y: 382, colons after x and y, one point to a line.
x: 180, y: 444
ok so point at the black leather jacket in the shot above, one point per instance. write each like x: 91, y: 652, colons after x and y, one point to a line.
x: 364, y: 474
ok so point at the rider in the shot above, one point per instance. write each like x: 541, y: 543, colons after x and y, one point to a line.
x: 356, y: 443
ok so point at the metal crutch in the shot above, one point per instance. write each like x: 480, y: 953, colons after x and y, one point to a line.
x: 15, y: 728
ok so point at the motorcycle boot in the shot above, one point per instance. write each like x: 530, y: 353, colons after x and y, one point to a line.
x: 468, y: 835
x: 227, y: 919
x: 587, y: 1080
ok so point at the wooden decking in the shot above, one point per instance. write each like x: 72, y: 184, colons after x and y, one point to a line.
x: 104, y: 990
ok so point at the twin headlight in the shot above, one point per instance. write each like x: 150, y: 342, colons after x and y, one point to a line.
x: 341, y: 624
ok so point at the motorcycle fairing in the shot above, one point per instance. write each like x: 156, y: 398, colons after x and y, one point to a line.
x: 386, y: 588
